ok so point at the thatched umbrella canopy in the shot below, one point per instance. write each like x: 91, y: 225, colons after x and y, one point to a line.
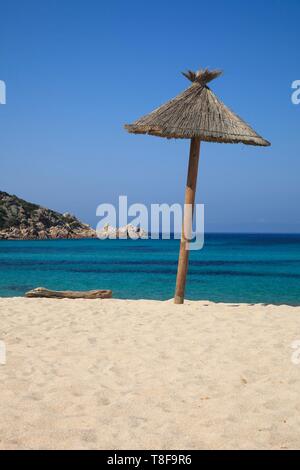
x: 195, y: 114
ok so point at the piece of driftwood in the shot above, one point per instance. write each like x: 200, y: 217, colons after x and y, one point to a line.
x: 69, y: 294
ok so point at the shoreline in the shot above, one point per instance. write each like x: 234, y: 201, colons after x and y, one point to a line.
x: 88, y: 374
x: 169, y: 301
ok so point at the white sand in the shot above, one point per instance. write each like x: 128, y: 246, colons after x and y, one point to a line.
x: 113, y: 374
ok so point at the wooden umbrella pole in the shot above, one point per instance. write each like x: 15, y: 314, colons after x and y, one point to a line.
x: 187, y: 220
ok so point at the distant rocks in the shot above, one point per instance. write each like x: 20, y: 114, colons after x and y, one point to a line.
x: 22, y: 220
x: 128, y: 231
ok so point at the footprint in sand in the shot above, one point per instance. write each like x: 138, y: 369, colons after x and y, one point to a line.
x: 102, y: 400
x: 89, y: 435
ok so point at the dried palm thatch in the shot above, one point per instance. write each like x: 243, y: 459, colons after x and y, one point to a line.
x: 197, y: 113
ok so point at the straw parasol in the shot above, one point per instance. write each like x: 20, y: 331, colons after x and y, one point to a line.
x: 195, y: 114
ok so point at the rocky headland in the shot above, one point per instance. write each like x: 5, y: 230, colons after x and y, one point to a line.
x: 22, y: 220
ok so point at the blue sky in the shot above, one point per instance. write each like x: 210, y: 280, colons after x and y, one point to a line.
x: 76, y: 71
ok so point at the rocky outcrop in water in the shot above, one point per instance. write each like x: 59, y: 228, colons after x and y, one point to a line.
x: 22, y: 220
x: 128, y: 231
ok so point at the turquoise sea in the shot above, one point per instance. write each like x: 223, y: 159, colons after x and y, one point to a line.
x: 230, y: 268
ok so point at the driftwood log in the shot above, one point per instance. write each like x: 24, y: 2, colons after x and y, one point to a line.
x: 69, y: 294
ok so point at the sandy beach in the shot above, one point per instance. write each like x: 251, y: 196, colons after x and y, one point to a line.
x: 117, y: 374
